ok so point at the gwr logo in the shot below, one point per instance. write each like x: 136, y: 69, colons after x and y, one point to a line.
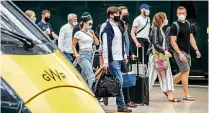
x: 53, y: 75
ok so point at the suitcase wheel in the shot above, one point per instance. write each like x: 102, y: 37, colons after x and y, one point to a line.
x: 142, y: 104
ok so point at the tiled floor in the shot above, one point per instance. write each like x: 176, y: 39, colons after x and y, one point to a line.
x: 159, y: 103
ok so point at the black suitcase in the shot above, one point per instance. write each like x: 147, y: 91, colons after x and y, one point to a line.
x: 140, y: 93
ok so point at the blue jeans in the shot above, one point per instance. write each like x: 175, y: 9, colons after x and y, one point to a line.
x: 127, y: 43
x: 115, y: 70
x: 85, y: 63
x: 69, y: 56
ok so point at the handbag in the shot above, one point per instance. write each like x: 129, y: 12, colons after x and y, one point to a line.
x: 106, y: 86
x: 129, y: 79
x: 161, y: 61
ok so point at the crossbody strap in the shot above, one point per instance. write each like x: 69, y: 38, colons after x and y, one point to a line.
x: 143, y: 27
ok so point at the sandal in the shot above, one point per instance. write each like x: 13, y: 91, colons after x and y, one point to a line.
x: 174, y: 100
x: 190, y: 98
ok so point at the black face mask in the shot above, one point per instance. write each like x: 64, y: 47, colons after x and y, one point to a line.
x: 46, y: 19
x: 116, y: 18
x: 125, y: 18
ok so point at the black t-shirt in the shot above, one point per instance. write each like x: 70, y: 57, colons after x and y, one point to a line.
x: 183, y: 38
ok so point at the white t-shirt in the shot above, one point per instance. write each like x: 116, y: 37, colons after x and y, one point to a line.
x: 140, y: 22
x: 84, y: 40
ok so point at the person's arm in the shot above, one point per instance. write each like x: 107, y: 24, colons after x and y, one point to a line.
x: 96, y: 41
x: 105, y: 49
x: 55, y: 36
x: 75, y: 41
x: 133, y: 31
x: 194, y: 45
x: 155, y: 41
x: 61, y: 39
x: 52, y: 32
x: 173, y: 37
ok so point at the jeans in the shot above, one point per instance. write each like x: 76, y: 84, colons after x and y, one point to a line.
x: 85, y: 63
x: 127, y: 43
x: 69, y: 56
x: 115, y: 70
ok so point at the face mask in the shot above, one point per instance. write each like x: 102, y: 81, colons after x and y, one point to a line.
x: 125, y: 18
x: 34, y: 19
x: 46, y: 19
x: 75, y: 23
x: 116, y: 18
x: 88, y: 27
x: 147, y: 12
x: 166, y: 22
x: 181, y: 17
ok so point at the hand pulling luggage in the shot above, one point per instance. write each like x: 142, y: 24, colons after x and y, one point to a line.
x: 140, y: 93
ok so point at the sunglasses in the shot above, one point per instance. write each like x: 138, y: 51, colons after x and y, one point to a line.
x: 90, y: 24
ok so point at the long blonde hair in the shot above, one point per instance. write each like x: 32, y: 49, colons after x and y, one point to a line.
x: 158, y: 19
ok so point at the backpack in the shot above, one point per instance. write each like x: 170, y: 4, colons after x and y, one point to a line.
x: 168, y: 37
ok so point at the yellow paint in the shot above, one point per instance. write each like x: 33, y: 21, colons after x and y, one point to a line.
x: 28, y: 75
x: 207, y: 30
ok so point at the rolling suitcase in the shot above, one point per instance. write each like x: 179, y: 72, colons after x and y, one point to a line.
x: 140, y: 93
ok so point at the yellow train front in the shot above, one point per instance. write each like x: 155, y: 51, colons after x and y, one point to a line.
x: 35, y: 76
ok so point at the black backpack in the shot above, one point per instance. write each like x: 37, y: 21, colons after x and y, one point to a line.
x: 168, y: 37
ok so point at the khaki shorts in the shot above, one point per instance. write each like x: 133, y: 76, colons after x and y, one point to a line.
x: 183, y: 66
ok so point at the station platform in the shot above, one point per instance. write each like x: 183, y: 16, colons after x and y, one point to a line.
x: 159, y: 103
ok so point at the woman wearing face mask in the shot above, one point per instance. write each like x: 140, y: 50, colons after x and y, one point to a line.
x: 159, y: 59
x: 31, y: 14
x: 85, y: 38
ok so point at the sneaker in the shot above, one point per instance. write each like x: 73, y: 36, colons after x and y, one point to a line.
x: 125, y: 109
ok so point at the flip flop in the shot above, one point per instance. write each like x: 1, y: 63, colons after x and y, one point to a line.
x: 174, y: 100
x: 190, y: 98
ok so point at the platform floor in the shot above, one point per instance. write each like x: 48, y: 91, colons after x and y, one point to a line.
x: 159, y: 103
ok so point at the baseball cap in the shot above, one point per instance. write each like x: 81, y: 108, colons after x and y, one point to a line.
x: 144, y: 6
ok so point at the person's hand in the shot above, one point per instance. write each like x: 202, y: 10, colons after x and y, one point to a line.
x: 92, y: 32
x: 77, y: 56
x: 168, y: 54
x: 182, y: 58
x: 48, y: 30
x: 105, y: 66
x: 126, y: 60
x: 138, y: 44
x: 198, y: 54
x: 133, y: 57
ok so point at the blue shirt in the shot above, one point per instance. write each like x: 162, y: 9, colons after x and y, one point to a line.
x: 44, y: 26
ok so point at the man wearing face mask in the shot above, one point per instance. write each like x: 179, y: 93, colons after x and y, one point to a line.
x: 65, y: 36
x: 141, y: 29
x: 124, y: 26
x: 114, y: 52
x: 31, y: 14
x: 180, y: 41
x: 47, y: 27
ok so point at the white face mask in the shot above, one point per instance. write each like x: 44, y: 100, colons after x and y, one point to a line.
x: 166, y: 22
x: 147, y: 12
x: 181, y: 17
x: 75, y: 23
x: 34, y: 19
x: 88, y: 27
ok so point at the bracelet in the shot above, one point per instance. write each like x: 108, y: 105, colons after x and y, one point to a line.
x: 196, y: 50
